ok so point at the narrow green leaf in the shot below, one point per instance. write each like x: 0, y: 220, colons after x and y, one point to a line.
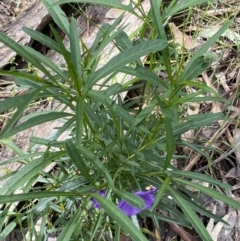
x: 23, y: 75
x: 124, y: 221
x: 204, y: 47
x: 23, y: 176
x: 102, y: 32
x: 69, y: 228
x: 79, y: 120
x: 161, y: 192
x: 22, y: 51
x: 200, y: 177
x: 59, y: 17
x: 117, y: 232
x: 107, y: 3
x: 46, y: 61
x: 146, y: 74
x: 193, y: 97
x: 130, y: 198
x: 201, y: 209
x: 92, y: 116
x: 198, y: 66
x: 113, y: 89
x: 42, y: 38
x: 192, y: 217
x: 67, y: 56
x: 97, y: 225
x: 90, y: 156
x: 33, y: 122
x: 139, y: 118
x: 212, y: 193
x: 108, y: 34
x: 18, y: 113
x: 8, y: 229
x: 170, y: 143
x: 123, y: 41
x: 76, y: 53
x: 125, y: 57
x: 78, y: 161
x: 160, y: 29
x: 20, y: 158
x: 116, y: 108
x: 196, y: 122
x: 44, y: 222
x: 183, y: 5
x: 201, y: 86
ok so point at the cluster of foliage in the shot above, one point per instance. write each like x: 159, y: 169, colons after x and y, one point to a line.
x: 111, y: 148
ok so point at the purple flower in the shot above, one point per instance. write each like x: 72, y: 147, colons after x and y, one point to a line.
x: 95, y: 203
x: 130, y: 210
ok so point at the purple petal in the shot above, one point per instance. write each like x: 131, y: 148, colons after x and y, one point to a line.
x: 148, y: 198
x: 128, y: 209
x: 95, y: 203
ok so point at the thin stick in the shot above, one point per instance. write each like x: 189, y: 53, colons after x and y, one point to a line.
x: 222, y: 157
x: 196, y: 158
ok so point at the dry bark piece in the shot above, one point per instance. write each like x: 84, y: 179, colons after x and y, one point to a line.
x: 35, y: 17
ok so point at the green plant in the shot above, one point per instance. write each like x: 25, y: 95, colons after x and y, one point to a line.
x: 110, y: 147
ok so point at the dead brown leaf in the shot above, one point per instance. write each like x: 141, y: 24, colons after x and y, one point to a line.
x: 184, y: 40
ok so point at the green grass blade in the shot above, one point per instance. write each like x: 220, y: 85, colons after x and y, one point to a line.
x: 78, y: 161
x: 192, y: 217
x: 125, y: 57
x: 124, y: 221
